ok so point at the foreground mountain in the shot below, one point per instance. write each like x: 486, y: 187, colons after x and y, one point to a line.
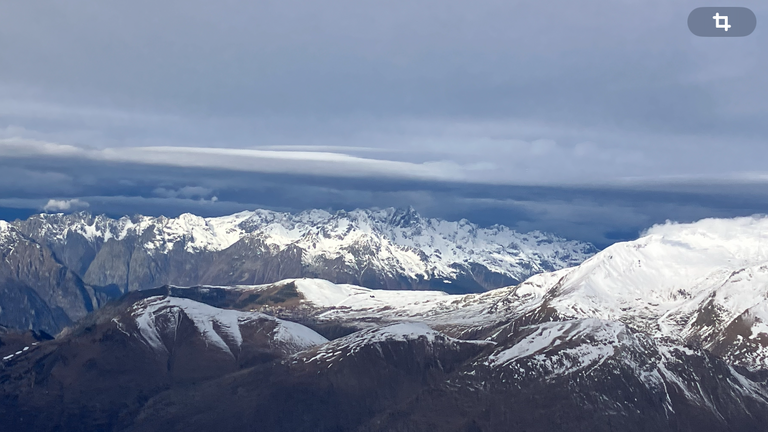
x: 112, y: 362
x: 54, y: 268
x: 666, y: 333
x: 165, y: 360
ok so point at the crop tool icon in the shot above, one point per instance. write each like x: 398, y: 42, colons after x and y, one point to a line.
x: 719, y: 18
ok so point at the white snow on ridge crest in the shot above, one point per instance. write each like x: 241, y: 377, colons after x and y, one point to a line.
x: 5, y: 230
x: 399, y: 332
x: 216, y: 326
x: 400, y: 240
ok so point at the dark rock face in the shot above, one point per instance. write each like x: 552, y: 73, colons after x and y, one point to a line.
x: 38, y: 292
x: 22, y: 308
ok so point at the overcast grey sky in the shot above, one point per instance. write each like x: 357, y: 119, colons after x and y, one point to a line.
x: 592, y: 119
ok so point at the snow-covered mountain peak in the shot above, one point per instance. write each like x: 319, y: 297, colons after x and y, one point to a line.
x: 739, y: 241
x: 669, y: 265
x: 9, y: 234
x: 5, y: 227
x: 380, y: 245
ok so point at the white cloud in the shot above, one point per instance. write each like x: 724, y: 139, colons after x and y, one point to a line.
x: 55, y: 205
x: 249, y: 160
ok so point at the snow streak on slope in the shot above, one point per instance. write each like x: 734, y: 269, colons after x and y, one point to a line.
x: 559, y: 335
x: 401, y: 332
x: 219, y: 328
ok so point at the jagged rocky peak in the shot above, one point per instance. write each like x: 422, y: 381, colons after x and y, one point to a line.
x: 56, y: 227
x: 407, y: 217
x: 7, y: 231
x: 378, y: 248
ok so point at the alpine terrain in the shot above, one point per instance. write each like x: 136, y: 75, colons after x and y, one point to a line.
x: 665, y: 333
x: 55, y: 267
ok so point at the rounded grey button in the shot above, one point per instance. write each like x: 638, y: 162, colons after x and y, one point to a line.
x: 722, y: 21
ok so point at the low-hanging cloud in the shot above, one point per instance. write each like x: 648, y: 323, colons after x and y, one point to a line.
x: 64, y: 205
x: 268, y: 161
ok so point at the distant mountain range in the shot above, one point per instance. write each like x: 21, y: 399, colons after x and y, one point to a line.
x: 665, y: 333
x: 57, y: 267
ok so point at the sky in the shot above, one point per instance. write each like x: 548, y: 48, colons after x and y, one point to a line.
x: 593, y: 119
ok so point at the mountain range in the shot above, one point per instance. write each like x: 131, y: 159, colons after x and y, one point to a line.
x: 665, y: 333
x: 55, y: 268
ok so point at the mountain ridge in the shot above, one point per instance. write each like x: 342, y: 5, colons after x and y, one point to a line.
x: 315, y: 230
x: 379, y: 248
x: 196, y: 373
x: 665, y: 333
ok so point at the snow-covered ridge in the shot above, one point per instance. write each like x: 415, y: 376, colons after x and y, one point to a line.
x: 220, y: 328
x: 400, y: 332
x: 704, y: 282
x: 6, y: 230
x: 343, y: 302
x: 9, y: 235
x: 324, y: 294
x: 397, y: 239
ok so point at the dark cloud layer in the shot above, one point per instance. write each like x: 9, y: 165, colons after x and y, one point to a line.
x: 599, y: 214
x: 591, y: 119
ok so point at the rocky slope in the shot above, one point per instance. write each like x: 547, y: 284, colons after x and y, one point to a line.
x: 390, y: 249
x: 36, y: 290
x: 109, y: 364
